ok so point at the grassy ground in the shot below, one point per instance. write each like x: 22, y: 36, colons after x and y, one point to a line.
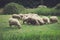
x: 28, y: 32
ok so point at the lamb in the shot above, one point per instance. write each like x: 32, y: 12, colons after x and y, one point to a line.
x: 53, y: 19
x: 16, y: 16
x: 46, y: 20
x: 13, y: 21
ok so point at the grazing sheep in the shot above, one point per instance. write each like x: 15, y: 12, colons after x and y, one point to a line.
x: 35, y: 20
x: 16, y: 16
x: 27, y: 15
x: 53, y: 19
x: 40, y: 20
x: 31, y: 21
x: 13, y: 21
x: 46, y: 19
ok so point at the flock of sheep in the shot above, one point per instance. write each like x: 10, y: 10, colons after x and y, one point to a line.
x: 33, y: 19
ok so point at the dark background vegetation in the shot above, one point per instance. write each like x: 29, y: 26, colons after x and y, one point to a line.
x: 31, y: 3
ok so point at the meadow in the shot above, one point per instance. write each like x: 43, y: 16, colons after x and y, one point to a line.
x: 28, y: 32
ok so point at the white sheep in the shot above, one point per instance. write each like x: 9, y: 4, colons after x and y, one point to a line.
x: 40, y: 20
x: 46, y: 19
x: 53, y: 19
x: 23, y: 16
x: 34, y: 20
x: 13, y: 21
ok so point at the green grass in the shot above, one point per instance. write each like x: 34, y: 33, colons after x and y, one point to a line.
x: 28, y: 32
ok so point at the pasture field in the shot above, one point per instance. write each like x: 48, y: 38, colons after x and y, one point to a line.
x: 28, y: 32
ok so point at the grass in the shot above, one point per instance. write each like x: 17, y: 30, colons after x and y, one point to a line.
x: 28, y: 32
x: 43, y: 11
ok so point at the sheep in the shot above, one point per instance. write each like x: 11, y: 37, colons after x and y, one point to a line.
x: 28, y: 18
x: 13, y: 21
x: 27, y: 15
x: 40, y: 20
x: 16, y: 16
x: 53, y: 19
x: 31, y: 21
x: 35, y: 20
x: 46, y: 20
